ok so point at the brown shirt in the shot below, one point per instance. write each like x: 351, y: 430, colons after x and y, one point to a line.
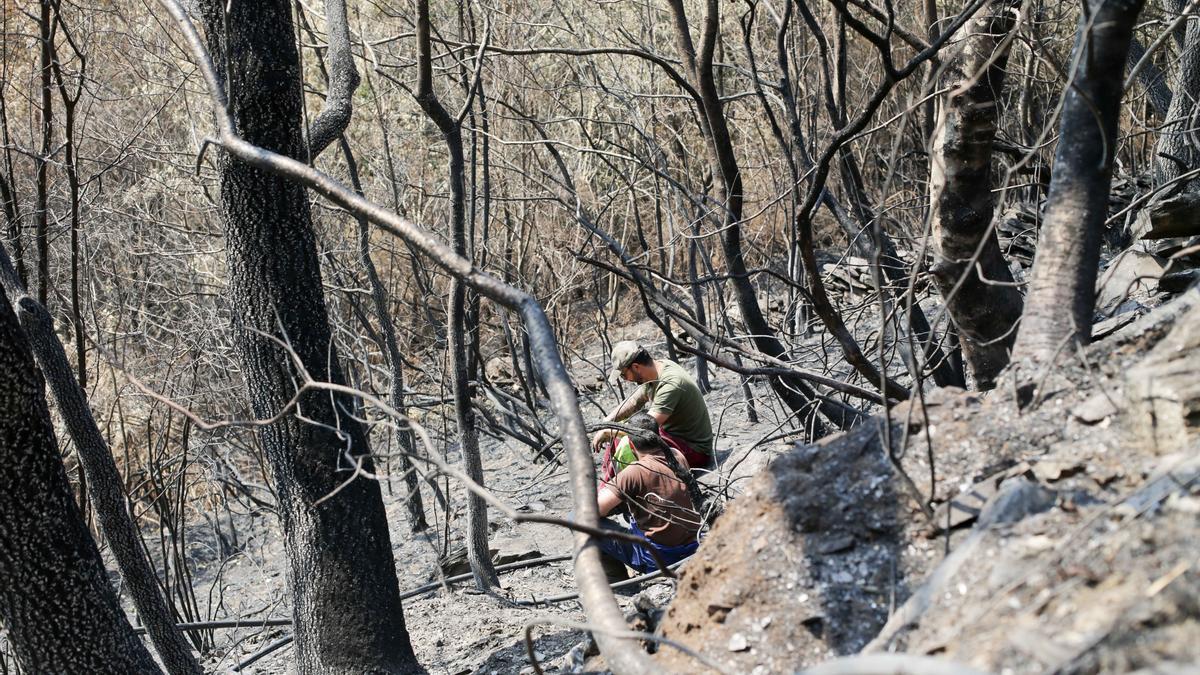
x: 658, y: 501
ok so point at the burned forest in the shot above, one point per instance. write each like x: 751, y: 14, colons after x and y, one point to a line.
x: 854, y: 337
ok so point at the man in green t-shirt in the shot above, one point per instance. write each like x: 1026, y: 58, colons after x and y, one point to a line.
x: 675, y: 403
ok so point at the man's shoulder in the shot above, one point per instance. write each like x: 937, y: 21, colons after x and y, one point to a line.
x: 669, y: 366
x: 635, y: 466
x: 632, y: 476
x: 671, y: 373
x: 646, y: 465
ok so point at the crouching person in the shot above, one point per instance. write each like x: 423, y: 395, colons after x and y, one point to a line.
x: 659, y: 507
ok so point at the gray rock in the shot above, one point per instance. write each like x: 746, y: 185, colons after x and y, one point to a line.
x: 1017, y: 499
x: 836, y: 544
x: 1097, y: 408
x: 1131, y: 275
x: 738, y: 643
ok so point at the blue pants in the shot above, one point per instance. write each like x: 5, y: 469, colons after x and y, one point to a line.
x: 638, y: 555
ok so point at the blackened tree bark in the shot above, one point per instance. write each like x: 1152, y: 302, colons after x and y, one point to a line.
x: 460, y: 327
x: 41, y: 224
x: 345, y: 596
x: 8, y: 194
x: 342, y: 77
x: 969, y: 269
x: 1153, y: 80
x: 1061, y: 296
x: 390, y: 346
x: 107, y: 494
x: 13, y: 221
x: 1175, y: 151
x: 61, y: 614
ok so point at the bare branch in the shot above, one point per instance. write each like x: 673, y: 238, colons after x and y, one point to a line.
x: 343, y: 80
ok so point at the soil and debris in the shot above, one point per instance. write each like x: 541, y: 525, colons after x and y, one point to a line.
x: 1067, y: 537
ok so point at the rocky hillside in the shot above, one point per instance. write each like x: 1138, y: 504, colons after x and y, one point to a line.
x: 1066, y: 536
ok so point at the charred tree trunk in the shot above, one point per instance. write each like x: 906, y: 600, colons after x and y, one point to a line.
x: 12, y: 221
x: 345, y: 596
x: 1175, y: 151
x: 8, y: 193
x: 60, y: 612
x: 390, y: 346
x: 41, y: 224
x: 460, y: 328
x: 107, y: 493
x: 1062, y: 296
x: 969, y: 269
x: 99, y: 480
x: 342, y: 78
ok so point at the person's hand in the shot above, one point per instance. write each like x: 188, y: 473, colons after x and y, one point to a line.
x: 600, y: 438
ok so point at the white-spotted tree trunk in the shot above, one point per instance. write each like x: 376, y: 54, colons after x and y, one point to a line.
x: 969, y: 269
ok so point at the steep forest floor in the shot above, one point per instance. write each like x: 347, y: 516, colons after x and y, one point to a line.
x: 459, y: 630
x: 1063, y: 541
x: 1067, y: 540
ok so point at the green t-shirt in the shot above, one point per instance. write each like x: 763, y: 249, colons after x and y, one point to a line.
x: 675, y: 393
x: 623, y: 456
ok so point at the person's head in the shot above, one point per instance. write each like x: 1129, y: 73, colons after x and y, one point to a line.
x: 632, y: 363
x: 645, y: 439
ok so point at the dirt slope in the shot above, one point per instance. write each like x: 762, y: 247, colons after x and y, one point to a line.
x: 1074, y: 541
